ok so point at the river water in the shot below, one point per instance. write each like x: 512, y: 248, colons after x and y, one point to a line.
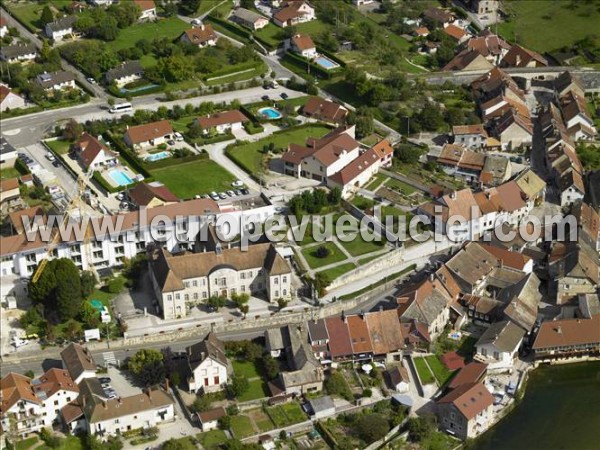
x: 560, y: 411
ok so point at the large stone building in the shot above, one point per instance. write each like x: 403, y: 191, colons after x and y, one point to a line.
x: 188, y: 279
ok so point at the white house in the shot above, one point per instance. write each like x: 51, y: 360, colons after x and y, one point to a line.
x: 574, y: 111
x: 222, y: 122
x: 60, y: 28
x: 209, y: 420
x: 470, y: 136
x: 56, y: 81
x: 399, y: 379
x: 21, y: 408
x: 322, y: 158
x: 249, y: 19
x: 293, y: 12
x: 93, y: 413
x: 356, y: 174
x: 126, y: 73
x: 3, y: 27
x: 148, y: 135
x: 572, y: 188
x: 8, y: 154
x: 55, y: 389
x: 10, y: 100
x: 499, y: 344
x: 202, y: 36
x: 78, y: 361
x: 147, y: 10
x: 208, y: 365
x: 514, y: 130
x: 303, y: 45
x: 18, y: 53
x: 93, y: 154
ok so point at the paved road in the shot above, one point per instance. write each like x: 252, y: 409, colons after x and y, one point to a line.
x: 29, y: 129
x: 49, y: 357
x: 34, y: 39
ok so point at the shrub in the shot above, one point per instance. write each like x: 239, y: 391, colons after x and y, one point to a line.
x: 323, y: 252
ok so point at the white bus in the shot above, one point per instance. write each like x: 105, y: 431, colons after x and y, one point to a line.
x: 121, y: 108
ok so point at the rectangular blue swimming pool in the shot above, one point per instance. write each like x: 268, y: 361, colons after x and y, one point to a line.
x: 157, y: 156
x: 326, y: 63
x: 120, y: 177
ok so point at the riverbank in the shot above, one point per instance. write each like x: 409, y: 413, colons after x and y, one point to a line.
x: 558, y: 411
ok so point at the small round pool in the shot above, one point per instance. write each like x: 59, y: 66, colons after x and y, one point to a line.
x: 270, y: 113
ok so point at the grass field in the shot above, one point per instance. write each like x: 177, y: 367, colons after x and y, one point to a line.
x: 441, y: 373
x: 272, y: 34
x: 28, y: 12
x: 249, y: 154
x: 261, y: 419
x: 376, y: 182
x: 193, y: 178
x: 401, y: 186
x: 239, y: 76
x: 247, y: 369
x: 335, y: 255
x: 59, y: 146
x: 212, y: 439
x: 550, y: 25
x: 241, y: 426
x: 359, y: 247
x: 165, y: 28
x: 257, y: 389
x: 294, y: 413
x: 424, y: 373
x: 25, y: 444
x: 9, y: 172
x: 338, y: 271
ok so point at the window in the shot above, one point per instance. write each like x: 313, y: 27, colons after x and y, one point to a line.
x: 204, y: 294
x: 55, y: 402
x: 169, y: 297
x: 187, y: 297
x: 195, y: 296
x: 284, y: 292
x: 276, y: 293
x: 276, y: 281
x: 186, y: 284
x: 195, y: 283
x: 243, y: 288
x: 242, y: 276
x: 177, y: 296
x: 250, y: 274
x: 223, y: 281
x: 284, y: 279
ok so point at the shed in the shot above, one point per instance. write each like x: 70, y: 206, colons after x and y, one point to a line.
x: 322, y: 407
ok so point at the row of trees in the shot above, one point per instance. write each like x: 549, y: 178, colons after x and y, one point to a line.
x: 106, y: 23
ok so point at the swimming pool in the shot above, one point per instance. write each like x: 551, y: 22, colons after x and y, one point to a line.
x: 120, y: 177
x: 326, y: 63
x: 157, y: 156
x: 270, y: 113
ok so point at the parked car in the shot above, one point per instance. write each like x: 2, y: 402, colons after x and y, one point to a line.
x: 21, y: 156
x: 171, y: 142
x: 196, y: 22
x: 178, y: 136
x: 238, y: 192
x: 245, y: 191
x: 120, y: 196
x: 237, y: 183
x: 265, y: 98
x: 56, y: 163
x: 230, y: 193
x: 214, y: 196
x: 222, y: 195
x: 104, y: 380
x: 91, y: 80
x: 284, y: 96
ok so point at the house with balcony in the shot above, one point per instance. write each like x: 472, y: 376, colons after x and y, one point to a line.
x: 21, y: 413
x: 293, y: 12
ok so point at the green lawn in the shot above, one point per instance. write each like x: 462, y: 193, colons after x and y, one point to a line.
x: 550, y: 25
x: 170, y: 28
x: 313, y: 28
x: 424, y: 373
x: 362, y: 203
x: 277, y: 416
x: 103, y: 296
x: 193, y: 178
x: 376, y: 182
x: 9, y: 172
x: 401, y: 186
x: 257, y: 389
x: 249, y: 154
x: 441, y: 373
x: 241, y: 426
x: 359, y: 247
x: 338, y: 271
x: 363, y: 261
x: 28, y: 12
x: 25, y: 444
x: 294, y: 413
x: 243, y: 75
x: 212, y: 439
x: 182, y: 124
x: 59, y: 146
x: 247, y: 369
x: 335, y: 255
x: 272, y: 34
x: 207, y: 5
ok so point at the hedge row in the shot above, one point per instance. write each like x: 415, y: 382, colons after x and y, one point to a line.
x: 301, y: 63
x: 326, y: 434
x: 21, y: 167
x: 253, y: 128
x: 129, y: 156
x: 226, y: 26
x: 331, y: 56
x: 214, y: 139
x: 167, y: 162
x: 117, y: 93
x: 241, y: 165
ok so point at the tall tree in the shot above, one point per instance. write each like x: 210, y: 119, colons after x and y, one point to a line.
x: 72, y: 130
x: 47, y: 16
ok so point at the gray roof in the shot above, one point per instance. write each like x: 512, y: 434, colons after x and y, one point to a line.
x: 124, y: 70
x: 12, y: 51
x: 523, y: 299
x: 48, y: 80
x: 274, y: 339
x: 589, y: 304
x: 246, y: 15
x: 300, y: 377
x: 64, y: 23
x: 322, y: 404
x: 210, y: 347
x: 317, y: 330
x: 77, y: 360
x: 504, y: 336
x: 5, y: 147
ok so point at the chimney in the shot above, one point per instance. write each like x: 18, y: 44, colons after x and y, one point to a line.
x: 559, y: 330
x: 344, y: 318
x: 380, y: 308
x: 453, y: 195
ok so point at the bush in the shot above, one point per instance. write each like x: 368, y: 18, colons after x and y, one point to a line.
x: 336, y: 384
x: 115, y: 285
x: 372, y: 427
x: 323, y: 252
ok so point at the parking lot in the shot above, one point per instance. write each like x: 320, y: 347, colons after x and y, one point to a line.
x: 122, y: 386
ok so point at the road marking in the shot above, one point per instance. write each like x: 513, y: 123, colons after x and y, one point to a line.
x: 109, y: 358
x: 12, y: 132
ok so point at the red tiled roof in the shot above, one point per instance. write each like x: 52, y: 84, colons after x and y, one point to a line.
x: 144, y: 193
x: 359, y: 334
x: 90, y: 147
x: 567, y: 332
x: 303, y: 42
x: 455, y: 32
x: 383, y: 148
x: 355, y: 168
x: 149, y: 131
x: 453, y: 361
x: 469, y: 399
x: 9, y: 184
x: 202, y: 34
x: 222, y: 118
x: 340, y: 343
x: 471, y: 373
x: 145, y: 5
x: 325, y: 109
